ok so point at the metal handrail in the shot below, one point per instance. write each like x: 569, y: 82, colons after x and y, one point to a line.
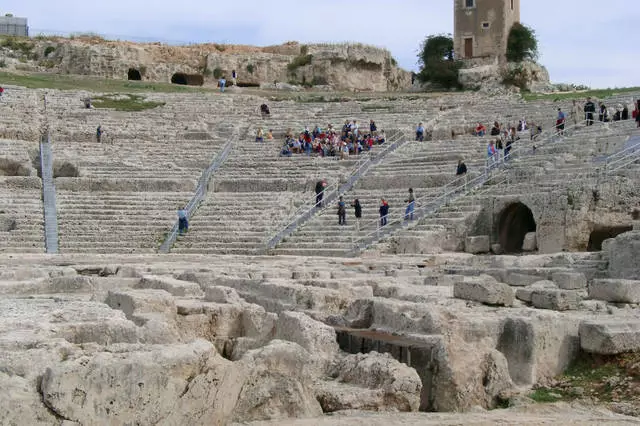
x: 199, y: 194
x: 310, y: 202
x: 340, y: 188
x: 453, y: 189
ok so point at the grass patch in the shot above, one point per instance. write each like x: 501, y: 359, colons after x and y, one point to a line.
x: 601, y: 378
x: 67, y: 82
x: 596, y: 93
x: 126, y: 102
x: 299, y: 61
x: 545, y: 396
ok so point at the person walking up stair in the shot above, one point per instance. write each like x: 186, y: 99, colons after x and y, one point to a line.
x: 411, y: 204
x: 342, y: 212
x: 384, y: 212
x: 357, y: 211
x: 320, y: 186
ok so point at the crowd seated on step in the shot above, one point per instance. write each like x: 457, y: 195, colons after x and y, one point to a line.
x: 331, y: 142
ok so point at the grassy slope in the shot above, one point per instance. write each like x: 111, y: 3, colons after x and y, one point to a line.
x: 71, y: 82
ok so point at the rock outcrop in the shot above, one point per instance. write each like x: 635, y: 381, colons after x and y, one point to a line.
x: 338, y: 66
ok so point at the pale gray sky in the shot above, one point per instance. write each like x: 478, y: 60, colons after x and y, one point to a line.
x: 581, y: 41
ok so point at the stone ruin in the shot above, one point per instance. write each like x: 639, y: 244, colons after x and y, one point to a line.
x: 461, y: 312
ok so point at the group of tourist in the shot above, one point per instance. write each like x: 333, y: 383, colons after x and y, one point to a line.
x: 329, y: 142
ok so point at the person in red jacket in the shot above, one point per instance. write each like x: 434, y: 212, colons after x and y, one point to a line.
x: 1, y: 91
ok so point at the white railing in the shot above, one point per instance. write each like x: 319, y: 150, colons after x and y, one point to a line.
x: 311, y: 207
x: 200, y: 193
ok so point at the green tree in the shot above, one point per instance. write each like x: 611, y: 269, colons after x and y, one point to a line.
x: 522, y: 44
x: 437, y: 62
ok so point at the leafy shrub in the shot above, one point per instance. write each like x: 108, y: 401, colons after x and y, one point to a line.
x: 394, y: 62
x: 220, y: 47
x: 299, y: 61
x: 522, y: 44
x: 304, y: 50
x: 217, y: 72
x: 49, y: 50
x: 251, y: 68
x: 438, y: 65
x: 23, y: 45
x: 3, y: 63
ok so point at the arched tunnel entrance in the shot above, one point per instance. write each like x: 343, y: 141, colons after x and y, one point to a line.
x: 601, y: 233
x: 134, y: 74
x: 515, y: 221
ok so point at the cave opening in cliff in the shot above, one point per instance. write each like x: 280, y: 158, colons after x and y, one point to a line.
x: 179, y: 78
x: 187, y: 79
x: 516, y: 221
x: 602, y: 233
x: 134, y: 74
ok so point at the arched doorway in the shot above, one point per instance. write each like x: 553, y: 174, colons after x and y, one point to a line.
x: 601, y: 233
x: 179, y: 78
x: 516, y: 221
x: 134, y: 74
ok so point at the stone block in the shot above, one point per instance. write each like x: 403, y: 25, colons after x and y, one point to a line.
x: 530, y: 242
x: 557, y: 300
x: 173, y: 286
x: 570, y: 280
x: 484, y: 289
x: 516, y: 279
x: 624, y: 256
x: 496, y: 249
x: 525, y: 293
x: 219, y: 294
x: 615, y: 290
x: 610, y: 336
x: 477, y: 245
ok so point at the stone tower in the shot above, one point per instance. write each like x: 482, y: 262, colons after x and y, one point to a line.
x: 481, y: 28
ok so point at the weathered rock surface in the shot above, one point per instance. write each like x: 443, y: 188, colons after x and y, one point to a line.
x: 340, y: 66
x: 530, y: 242
x: 377, y: 382
x: 477, y: 245
x: 484, y: 289
x: 278, y: 385
x: 624, y: 256
x: 524, y: 293
x: 610, y: 336
x: 570, y: 280
x: 615, y: 290
x: 557, y: 300
x: 145, y: 385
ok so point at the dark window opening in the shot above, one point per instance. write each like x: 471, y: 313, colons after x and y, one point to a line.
x: 600, y: 234
x: 470, y: 3
x: 515, y: 221
x: 134, y: 74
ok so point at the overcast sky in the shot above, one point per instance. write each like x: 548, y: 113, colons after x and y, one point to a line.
x: 581, y: 41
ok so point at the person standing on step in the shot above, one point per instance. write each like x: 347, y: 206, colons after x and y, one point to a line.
x: 320, y: 186
x: 575, y: 112
x: 560, y: 122
x: 1, y: 91
x: 411, y: 204
x: 461, y: 170
x: 604, y: 113
x: 99, y: 132
x: 222, y: 83
x: 342, y: 212
x: 183, y: 222
x: 234, y: 77
x: 420, y: 132
x: 589, y: 111
x: 357, y: 211
x: 384, y: 212
x: 259, y: 135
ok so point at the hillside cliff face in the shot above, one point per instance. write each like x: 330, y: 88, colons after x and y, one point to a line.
x: 341, y: 66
